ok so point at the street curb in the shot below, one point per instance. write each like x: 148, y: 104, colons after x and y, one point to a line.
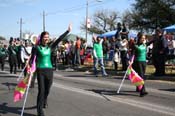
x: 113, y: 73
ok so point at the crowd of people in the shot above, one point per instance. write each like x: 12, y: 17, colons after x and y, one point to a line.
x: 119, y: 49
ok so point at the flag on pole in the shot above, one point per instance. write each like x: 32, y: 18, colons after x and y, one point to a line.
x: 33, y: 68
x: 88, y: 23
x: 135, y: 78
x: 20, y: 89
x: 22, y: 85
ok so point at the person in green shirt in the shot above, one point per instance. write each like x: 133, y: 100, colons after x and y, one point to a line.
x: 12, y: 51
x: 44, y: 68
x: 3, y: 56
x: 98, y: 56
x: 139, y: 65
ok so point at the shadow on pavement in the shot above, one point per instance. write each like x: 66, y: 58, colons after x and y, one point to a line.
x: 112, y: 92
x: 170, y: 90
x: 9, y: 85
x: 77, y: 76
x: 8, y: 76
x: 4, y: 109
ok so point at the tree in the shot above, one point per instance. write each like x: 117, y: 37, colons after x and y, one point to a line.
x: 102, y: 21
x: 150, y: 14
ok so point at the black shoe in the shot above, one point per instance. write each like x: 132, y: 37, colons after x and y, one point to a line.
x: 32, y: 86
x: 41, y: 114
x: 142, y: 94
x: 45, y: 105
x: 137, y: 89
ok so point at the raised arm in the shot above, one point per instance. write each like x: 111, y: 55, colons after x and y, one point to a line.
x: 150, y: 42
x: 55, y: 43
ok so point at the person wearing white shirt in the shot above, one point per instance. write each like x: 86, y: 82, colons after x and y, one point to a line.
x: 25, y: 54
x: 123, y: 51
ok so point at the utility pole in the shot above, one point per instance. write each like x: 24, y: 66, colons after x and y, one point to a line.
x: 87, y: 5
x: 44, y: 15
x: 20, y: 24
x: 87, y: 13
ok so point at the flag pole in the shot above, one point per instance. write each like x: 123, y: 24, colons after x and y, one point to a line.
x: 20, y: 76
x: 30, y: 78
x: 118, y: 91
x: 130, y: 63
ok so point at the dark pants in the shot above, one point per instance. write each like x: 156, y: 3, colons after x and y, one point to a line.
x: 77, y: 57
x: 13, y: 63
x: 23, y: 66
x: 72, y: 58
x: 140, y: 68
x: 19, y: 60
x: 159, y: 64
x: 32, y: 85
x: 45, y: 78
x: 124, y: 60
x: 67, y: 58
x: 2, y: 61
x: 115, y: 65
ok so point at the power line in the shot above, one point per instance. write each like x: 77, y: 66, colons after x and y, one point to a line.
x: 71, y: 9
x: 79, y: 7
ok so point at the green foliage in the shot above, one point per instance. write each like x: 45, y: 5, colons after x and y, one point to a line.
x: 150, y: 14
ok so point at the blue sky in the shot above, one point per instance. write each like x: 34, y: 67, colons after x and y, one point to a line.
x: 59, y: 14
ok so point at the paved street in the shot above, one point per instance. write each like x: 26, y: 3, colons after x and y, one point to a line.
x: 81, y: 94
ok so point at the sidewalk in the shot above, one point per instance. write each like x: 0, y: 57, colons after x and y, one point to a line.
x: 113, y: 73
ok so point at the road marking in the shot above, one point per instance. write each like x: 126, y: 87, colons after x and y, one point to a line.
x: 139, y: 104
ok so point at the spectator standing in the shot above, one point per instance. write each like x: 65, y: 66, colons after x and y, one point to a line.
x: 105, y: 49
x: 171, y: 45
x: 12, y: 50
x: 25, y: 54
x: 18, y: 48
x: 124, y: 55
x: 124, y: 33
x: 158, y: 53
x: 77, y: 51
x: 98, y: 56
x: 72, y: 52
x: 3, y: 56
x: 119, y: 30
x: 67, y: 52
